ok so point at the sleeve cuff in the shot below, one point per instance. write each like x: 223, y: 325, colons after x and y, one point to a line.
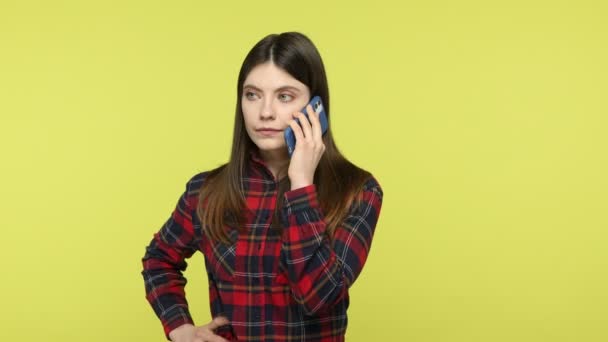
x: 177, y: 320
x: 301, y: 199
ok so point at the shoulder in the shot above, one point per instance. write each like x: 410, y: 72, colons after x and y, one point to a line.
x: 369, y: 187
x: 364, y: 179
x: 195, y: 183
x: 372, y: 184
x: 371, y: 194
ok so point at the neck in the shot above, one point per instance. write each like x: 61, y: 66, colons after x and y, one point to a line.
x: 277, y: 161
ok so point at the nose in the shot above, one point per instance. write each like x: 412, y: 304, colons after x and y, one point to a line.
x: 268, y: 111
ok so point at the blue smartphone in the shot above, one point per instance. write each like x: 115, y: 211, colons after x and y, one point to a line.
x: 317, y: 106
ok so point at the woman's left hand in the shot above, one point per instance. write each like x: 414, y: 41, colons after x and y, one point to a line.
x: 309, y: 148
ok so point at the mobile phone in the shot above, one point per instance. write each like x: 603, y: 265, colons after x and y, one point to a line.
x: 317, y: 106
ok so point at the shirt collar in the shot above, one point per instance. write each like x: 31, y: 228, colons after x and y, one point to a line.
x: 257, y: 162
x: 258, y: 165
x: 254, y: 155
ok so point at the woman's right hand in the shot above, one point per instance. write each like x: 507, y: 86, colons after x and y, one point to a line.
x: 203, y: 333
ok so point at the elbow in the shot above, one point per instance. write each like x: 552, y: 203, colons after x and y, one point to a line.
x: 322, y: 300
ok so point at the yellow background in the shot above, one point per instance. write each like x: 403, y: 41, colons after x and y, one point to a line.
x: 485, y: 123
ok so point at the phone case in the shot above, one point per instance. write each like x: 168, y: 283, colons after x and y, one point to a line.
x: 317, y: 106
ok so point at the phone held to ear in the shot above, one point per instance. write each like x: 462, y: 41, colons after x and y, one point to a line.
x: 317, y: 106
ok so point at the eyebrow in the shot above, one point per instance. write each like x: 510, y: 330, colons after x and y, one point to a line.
x: 277, y: 90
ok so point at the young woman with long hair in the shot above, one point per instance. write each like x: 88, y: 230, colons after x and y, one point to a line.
x: 283, y: 236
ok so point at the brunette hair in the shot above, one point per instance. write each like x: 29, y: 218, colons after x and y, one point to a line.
x: 339, y: 182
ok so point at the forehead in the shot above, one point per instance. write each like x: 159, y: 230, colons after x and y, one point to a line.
x: 269, y: 76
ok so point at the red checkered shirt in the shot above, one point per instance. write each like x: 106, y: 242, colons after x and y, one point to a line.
x: 291, y: 286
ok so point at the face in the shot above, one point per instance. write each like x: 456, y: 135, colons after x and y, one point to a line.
x: 270, y: 97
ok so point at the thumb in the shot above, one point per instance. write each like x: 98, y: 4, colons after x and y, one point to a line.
x: 220, y: 320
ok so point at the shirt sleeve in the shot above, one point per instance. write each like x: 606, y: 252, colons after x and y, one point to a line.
x: 164, y: 262
x: 318, y: 273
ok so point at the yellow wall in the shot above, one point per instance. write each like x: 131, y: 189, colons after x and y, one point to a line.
x: 485, y: 124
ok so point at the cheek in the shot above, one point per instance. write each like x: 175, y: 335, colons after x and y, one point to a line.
x: 245, y: 108
x: 299, y: 106
x: 289, y: 112
x: 247, y: 115
x: 285, y: 117
x: 293, y: 107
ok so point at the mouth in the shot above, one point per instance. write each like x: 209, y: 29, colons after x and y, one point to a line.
x: 268, y: 129
x: 268, y: 132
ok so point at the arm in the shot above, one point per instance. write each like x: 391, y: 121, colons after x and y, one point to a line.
x: 164, y: 262
x: 320, y: 275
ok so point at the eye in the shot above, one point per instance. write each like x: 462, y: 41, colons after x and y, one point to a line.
x: 247, y: 93
x: 286, y: 95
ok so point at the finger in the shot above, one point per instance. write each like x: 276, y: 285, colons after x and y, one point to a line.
x: 217, y: 322
x: 205, y: 334
x: 216, y: 338
x: 316, y: 124
x: 297, y: 130
x: 305, y: 123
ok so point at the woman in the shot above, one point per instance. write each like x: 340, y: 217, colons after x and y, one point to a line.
x: 283, y: 237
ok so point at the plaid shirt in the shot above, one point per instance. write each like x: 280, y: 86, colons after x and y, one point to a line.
x: 291, y: 286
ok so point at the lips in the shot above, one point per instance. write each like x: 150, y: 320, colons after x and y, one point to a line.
x: 268, y: 132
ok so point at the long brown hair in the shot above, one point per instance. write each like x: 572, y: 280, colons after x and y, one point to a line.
x: 338, y: 181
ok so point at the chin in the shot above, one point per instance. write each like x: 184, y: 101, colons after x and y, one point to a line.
x: 271, y: 146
